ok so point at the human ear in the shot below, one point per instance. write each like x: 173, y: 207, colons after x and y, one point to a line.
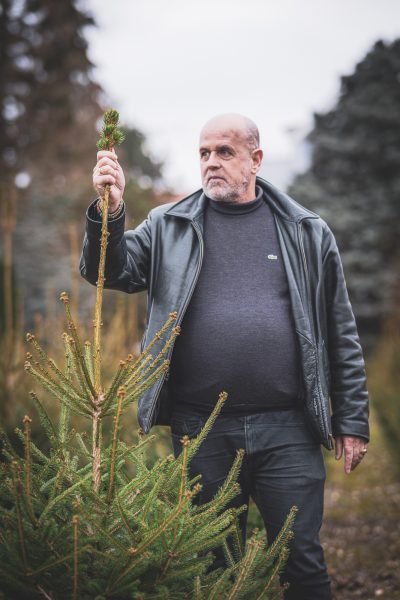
x: 256, y: 158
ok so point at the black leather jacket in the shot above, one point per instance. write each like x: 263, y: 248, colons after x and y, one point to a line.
x: 163, y: 255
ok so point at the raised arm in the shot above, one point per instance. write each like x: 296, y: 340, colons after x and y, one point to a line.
x: 128, y: 253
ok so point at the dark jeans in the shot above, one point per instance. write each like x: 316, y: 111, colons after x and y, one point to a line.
x: 283, y: 466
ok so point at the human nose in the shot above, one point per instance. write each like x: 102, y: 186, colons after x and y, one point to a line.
x: 213, y: 160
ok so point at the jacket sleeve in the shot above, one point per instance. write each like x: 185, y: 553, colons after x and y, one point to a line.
x: 128, y: 254
x: 349, y: 395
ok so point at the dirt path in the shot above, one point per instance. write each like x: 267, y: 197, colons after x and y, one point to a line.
x: 361, y: 531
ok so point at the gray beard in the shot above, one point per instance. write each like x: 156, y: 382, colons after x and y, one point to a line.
x: 232, y: 194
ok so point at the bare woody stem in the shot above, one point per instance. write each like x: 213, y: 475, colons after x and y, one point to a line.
x: 110, y: 137
x: 96, y: 450
x: 185, y: 441
x: 96, y: 419
x: 7, y: 224
x: 99, y: 293
x: 121, y: 394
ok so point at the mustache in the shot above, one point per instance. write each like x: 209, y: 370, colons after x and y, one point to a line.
x: 215, y: 177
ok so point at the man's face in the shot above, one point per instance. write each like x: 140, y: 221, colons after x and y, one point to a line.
x: 226, y: 164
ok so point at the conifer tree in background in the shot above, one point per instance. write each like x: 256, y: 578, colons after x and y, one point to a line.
x: 47, y: 94
x: 91, y: 519
x: 354, y: 180
x: 47, y: 101
x: 49, y: 104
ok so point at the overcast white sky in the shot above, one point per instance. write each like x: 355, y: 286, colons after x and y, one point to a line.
x: 169, y: 65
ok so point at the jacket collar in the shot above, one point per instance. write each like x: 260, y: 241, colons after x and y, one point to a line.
x: 193, y: 206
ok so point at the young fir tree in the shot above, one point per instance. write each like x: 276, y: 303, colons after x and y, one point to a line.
x: 95, y: 521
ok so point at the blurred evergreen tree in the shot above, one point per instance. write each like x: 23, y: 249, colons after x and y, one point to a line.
x: 139, y: 163
x: 354, y: 181
x: 50, y: 100
x: 47, y: 92
x: 143, y: 175
x: 47, y: 100
x: 49, y: 104
x: 14, y: 87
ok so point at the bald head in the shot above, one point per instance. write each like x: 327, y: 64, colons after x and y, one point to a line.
x: 234, y: 124
x: 230, y: 156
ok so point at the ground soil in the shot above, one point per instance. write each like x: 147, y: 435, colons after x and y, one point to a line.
x: 361, y: 531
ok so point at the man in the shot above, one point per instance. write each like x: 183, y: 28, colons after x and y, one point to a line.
x: 258, y: 285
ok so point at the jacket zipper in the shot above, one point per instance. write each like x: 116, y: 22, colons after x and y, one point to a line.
x: 323, y: 419
x: 181, y: 315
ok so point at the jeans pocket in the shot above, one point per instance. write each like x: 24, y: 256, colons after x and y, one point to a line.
x: 181, y: 426
x: 186, y: 425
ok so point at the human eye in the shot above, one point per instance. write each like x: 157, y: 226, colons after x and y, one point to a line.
x: 225, y: 151
x: 204, y: 154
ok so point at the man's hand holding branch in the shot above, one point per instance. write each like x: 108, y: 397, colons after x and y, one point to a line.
x: 108, y: 171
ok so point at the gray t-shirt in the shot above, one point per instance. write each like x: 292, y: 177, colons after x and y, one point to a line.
x: 238, y: 332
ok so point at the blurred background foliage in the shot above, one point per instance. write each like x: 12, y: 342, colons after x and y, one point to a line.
x: 50, y: 107
x: 49, y: 119
x: 354, y: 183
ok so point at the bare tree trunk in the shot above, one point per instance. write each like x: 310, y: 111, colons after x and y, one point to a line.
x: 7, y: 222
x: 132, y: 323
x: 8, y: 226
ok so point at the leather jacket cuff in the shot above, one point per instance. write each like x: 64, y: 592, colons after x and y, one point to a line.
x: 351, y: 428
x: 116, y: 226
